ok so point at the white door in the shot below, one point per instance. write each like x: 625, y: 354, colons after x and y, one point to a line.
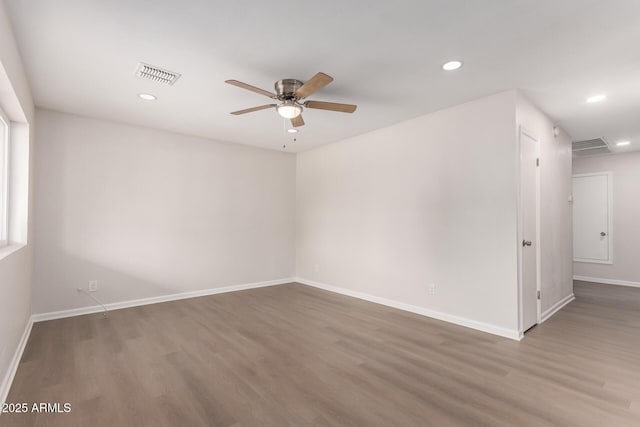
x: 528, y: 234
x: 591, y: 218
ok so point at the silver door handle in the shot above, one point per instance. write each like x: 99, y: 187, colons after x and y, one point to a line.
x: 602, y: 233
x: 526, y: 243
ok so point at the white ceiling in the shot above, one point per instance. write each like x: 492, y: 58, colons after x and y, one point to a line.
x: 385, y: 56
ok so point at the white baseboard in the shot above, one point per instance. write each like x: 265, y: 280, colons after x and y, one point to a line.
x: 556, y: 307
x: 462, y: 321
x: 607, y: 281
x: 15, y: 361
x: 154, y: 300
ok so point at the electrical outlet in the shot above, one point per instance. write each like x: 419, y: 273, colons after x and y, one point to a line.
x: 432, y: 289
x: 93, y: 286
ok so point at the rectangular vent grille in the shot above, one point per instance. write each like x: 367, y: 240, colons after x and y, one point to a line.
x: 156, y: 74
x: 591, y: 152
x: 590, y: 146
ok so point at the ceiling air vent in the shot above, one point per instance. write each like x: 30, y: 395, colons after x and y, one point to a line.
x: 156, y: 74
x: 590, y: 147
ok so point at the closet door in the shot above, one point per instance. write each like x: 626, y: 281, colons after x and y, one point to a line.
x: 592, y: 231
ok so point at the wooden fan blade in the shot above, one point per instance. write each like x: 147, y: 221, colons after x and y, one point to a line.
x: 331, y: 106
x: 315, y: 83
x: 297, y: 121
x: 251, y: 110
x: 252, y: 88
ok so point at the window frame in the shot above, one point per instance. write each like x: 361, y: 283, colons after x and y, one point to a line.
x: 5, y: 127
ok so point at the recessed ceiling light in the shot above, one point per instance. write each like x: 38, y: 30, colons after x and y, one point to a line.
x: 596, y: 98
x: 452, y: 65
x: 623, y: 143
x: 147, y: 96
x: 292, y: 130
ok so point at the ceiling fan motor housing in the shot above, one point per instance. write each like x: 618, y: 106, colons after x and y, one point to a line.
x: 286, y: 88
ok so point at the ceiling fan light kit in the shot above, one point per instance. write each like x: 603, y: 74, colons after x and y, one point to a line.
x: 289, y: 109
x: 290, y: 93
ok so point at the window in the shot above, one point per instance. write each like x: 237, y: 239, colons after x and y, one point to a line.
x: 4, y: 177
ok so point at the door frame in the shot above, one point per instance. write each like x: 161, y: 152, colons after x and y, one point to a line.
x: 523, y: 130
x: 609, y: 176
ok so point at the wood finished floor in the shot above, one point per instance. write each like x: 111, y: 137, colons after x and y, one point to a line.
x: 292, y: 355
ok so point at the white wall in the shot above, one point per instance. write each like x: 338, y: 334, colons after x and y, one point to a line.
x: 150, y: 213
x: 430, y: 200
x: 15, y: 265
x: 556, y: 222
x: 626, y: 217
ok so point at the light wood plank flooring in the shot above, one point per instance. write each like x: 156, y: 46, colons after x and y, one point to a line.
x: 292, y: 355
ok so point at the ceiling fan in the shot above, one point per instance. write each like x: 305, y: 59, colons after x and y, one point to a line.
x: 291, y: 93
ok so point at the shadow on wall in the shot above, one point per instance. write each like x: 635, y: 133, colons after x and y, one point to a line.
x: 60, y: 291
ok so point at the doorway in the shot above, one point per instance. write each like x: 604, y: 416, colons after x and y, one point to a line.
x: 592, y: 227
x: 528, y: 242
